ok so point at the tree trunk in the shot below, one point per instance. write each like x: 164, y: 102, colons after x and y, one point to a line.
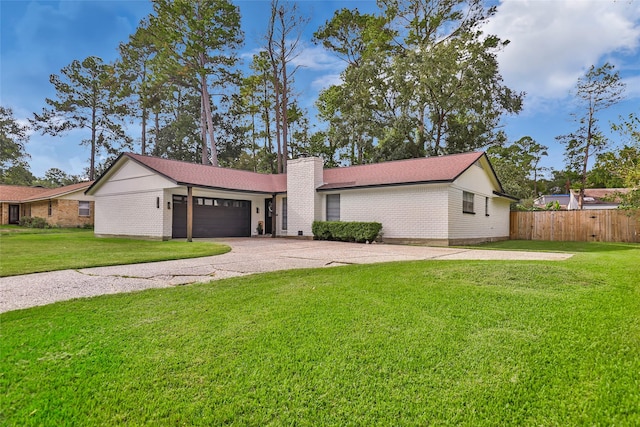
x: 143, y: 101
x: 92, y: 166
x: 271, y: 50
x: 583, y: 178
x: 209, y: 116
x: 267, y: 124
x: 157, y: 124
x: 285, y: 98
x: 276, y: 84
x: 143, y: 138
x: 204, y: 157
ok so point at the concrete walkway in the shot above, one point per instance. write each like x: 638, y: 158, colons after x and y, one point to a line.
x: 248, y: 256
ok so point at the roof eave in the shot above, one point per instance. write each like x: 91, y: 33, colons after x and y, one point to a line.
x: 506, y: 196
x: 230, y: 190
x: 53, y: 196
x: 394, y: 184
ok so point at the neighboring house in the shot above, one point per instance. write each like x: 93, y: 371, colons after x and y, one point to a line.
x: 562, y: 199
x: 66, y: 206
x: 439, y: 200
x: 597, y: 198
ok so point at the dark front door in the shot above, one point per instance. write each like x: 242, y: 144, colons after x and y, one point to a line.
x: 212, y: 217
x: 268, y: 216
x: 14, y: 214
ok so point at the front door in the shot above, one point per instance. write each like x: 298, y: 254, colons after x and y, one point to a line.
x: 14, y: 214
x: 268, y: 212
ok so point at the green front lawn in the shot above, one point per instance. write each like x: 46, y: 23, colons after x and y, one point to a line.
x: 31, y: 250
x: 421, y: 343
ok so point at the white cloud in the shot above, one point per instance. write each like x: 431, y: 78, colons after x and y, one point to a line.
x: 325, y: 81
x: 554, y: 41
x: 633, y: 86
x: 317, y: 58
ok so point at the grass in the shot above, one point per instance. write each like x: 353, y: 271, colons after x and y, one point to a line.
x: 418, y: 343
x: 546, y: 246
x: 32, y: 250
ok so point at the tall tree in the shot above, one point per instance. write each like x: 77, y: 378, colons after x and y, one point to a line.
x: 284, y: 33
x: 428, y: 76
x: 55, y: 177
x: 86, y: 100
x: 352, y: 108
x: 197, y: 42
x: 14, y: 168
x: 625, y: 162
x: 598, y: 89
x: 518, y: 166
x: 135, y: 73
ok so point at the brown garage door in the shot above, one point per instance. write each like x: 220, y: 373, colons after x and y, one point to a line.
x: 212, y: 217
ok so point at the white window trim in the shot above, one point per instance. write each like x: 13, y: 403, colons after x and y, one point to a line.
x: 468, y: 206
x: 81, y: 209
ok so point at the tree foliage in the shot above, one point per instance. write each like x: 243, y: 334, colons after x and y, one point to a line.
x: 196, y: 42
x: 421, y: 79
x: 14, y: 168
x: 137, y: 80
x: 85, y: 99
x: 284, y: 32
x: 518, y: 166
x: 54, y: 178
x: 598, y: 89
x: 624, y: 163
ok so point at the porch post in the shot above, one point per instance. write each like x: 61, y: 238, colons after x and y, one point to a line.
x: 189, y: 214
x: 274, y: 220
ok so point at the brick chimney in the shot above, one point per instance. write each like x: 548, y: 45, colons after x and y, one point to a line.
x: 304, y: 204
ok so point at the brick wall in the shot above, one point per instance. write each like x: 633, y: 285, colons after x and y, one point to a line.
x: 470, y: 228
x: 142, y: 217
x: 304, y: 175
x: 4, y: 213
x: 416, y: 212
x: 64, y: 212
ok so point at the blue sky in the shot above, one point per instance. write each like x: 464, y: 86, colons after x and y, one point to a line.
x: 553, y: 42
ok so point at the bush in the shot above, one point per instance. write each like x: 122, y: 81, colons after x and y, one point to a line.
x: 346, y: 231
x: 33, y: 222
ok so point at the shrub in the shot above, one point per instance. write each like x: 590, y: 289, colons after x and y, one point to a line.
x: 33, y: 222
x: 346, y: 231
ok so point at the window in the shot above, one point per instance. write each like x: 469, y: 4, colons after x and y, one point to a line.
x: 486, y: 206
x: 50, y: 210
x: 84, y: 208
x: 467, y: 202
x: 333, y: 207
x: 284, y: 213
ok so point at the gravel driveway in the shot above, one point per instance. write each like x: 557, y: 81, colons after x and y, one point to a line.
x: 248, y: 256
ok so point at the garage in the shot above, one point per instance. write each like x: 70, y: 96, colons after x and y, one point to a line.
x: 212, y: 217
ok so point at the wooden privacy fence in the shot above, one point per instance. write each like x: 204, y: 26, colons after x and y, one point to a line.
x: 602, y: 225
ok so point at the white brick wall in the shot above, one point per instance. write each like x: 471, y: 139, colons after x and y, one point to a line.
x: 131, y: 214
x: 304, y: 175
x: 478, y: 226
x: 409, y: 212
x: 126, y: 204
